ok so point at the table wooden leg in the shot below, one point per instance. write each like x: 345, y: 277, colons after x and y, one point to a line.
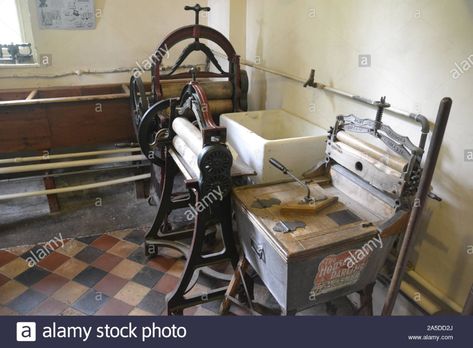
x: 234, y: 285
x: 366, y: 300
x: 142, y: 187
x: 50, y: 184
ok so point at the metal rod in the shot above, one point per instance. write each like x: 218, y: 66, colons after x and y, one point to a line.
x: 47, y: 157
x: 64, y: 99
x: 424, y: 188
x: 70, y: 164
x: 75, y: 188
x: 88, y: 72
x: 421, y: 119
x: 303, y: 184
x: 77, y: 172
x: 278, y: 165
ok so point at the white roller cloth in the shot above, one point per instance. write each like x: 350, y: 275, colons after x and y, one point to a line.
x: 189, y: 133
x: 187, y: 154
x: 391, y: 160
x: 188, y: 143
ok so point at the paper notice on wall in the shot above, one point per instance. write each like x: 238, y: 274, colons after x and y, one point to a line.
x: 66, y: 14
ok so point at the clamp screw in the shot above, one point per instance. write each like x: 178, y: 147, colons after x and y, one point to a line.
x: 311, y: 80
x: 381, y: 106
x: 197, y: 9
x: 194, y: 70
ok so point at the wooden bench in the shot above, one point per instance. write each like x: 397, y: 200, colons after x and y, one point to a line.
x: 38, y: 124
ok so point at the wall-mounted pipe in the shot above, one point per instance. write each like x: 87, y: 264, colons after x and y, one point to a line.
x: 421, y: 119
x: 94, y: 72
x: 69, y: 164
x: 75, y: 188
x: 48, y: 157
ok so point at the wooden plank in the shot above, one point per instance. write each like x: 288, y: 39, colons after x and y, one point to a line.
x: 37, y: 124
x: 32, y: 95
x: 24, y: 129
x: 142, y: 187
x: 308, y: 209
x: 58, y: 93
x: 78, y: 124
x: 101, y: 90
x: 14, y: 94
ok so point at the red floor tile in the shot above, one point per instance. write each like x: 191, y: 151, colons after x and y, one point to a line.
x: 166, y: 284
x: 50, y: 284
x: 107, y: 262
x: 3, y: 279
x: 110, y: 285
x: 112, y: 267
x: 6, y: 257
x: 161, y: 263
x: 104, y: 242
x: 53, y: 261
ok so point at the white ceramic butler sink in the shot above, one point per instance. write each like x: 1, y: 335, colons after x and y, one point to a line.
x: 259, y: 135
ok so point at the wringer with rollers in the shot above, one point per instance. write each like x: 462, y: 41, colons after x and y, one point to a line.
x: 177, y: 126
x: 312, y: 242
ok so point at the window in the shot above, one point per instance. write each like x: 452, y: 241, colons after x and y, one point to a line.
x: 15, y: 33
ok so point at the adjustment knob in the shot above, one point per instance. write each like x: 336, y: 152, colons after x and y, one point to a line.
x: 197, y: 9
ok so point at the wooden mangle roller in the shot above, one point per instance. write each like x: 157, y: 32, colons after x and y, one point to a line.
x: 219, y: 93
x: 392, y: 161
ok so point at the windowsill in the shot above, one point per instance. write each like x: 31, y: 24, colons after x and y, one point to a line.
x: 19, y: 66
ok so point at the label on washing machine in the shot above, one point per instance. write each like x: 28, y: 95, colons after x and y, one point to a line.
x: 338, y: 271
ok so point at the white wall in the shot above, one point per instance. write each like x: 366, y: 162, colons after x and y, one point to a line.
x: 414, y: 45
x: 127, y: 32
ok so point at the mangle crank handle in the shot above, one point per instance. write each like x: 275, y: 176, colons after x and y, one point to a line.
x: 285, y: 170
x: 278, y: 165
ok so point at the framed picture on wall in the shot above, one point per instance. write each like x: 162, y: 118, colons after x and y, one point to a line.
x: 68, y: 14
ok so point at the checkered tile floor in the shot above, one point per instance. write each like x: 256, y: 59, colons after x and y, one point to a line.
x: 101, y: 275
x: 107, y: 274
